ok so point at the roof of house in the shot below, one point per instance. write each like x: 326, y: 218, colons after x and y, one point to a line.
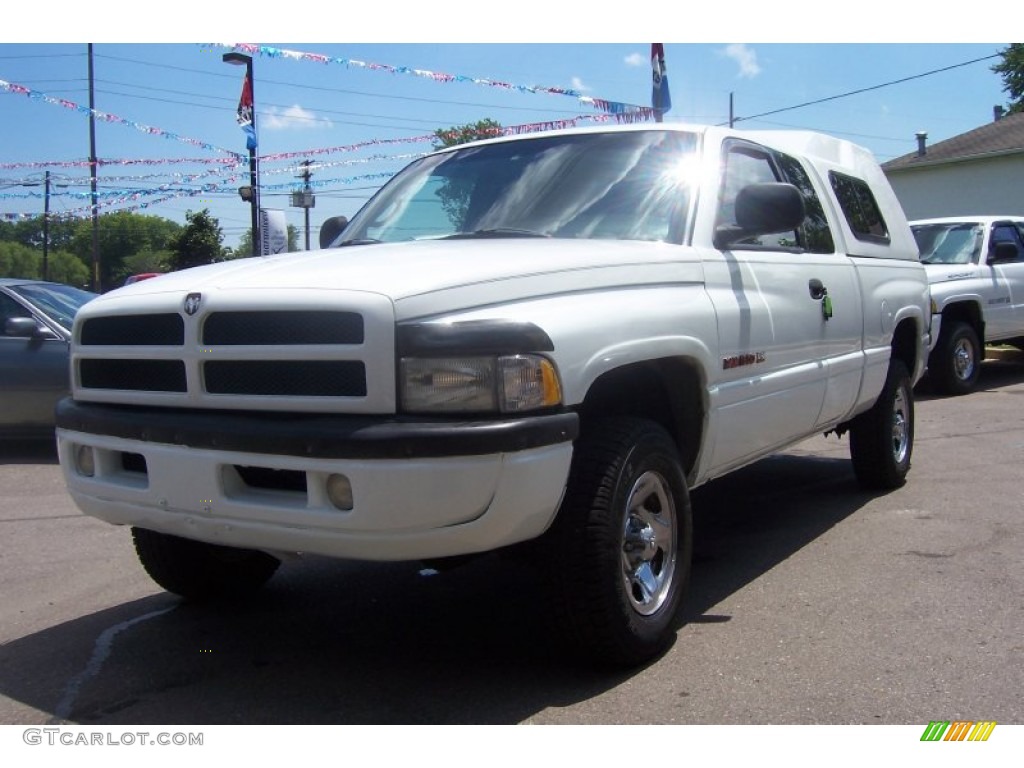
x: 1002, y: 136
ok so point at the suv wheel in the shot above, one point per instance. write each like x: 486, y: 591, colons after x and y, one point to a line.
x: 200, y: 571
x: 882, y: 439
x: 618, y: 555
x: 955, y: 363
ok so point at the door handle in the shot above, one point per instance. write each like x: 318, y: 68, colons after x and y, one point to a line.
x: 820, y: 293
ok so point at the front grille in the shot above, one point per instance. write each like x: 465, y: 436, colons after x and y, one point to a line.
x: 233, y: 355
x: 283, y: 328
x: 134, y: 331
x: 134, y: 375
x: 296, y: 378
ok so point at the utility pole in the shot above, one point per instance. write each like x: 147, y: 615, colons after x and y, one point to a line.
x: 46, y: 228
x: 305, y: 198
x: 93, y: 168
x: 731, y: 118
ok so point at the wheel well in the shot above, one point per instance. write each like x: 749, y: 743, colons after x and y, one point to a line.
x: 669, y: 391
x: 965, y: 312
x: 904, y: 344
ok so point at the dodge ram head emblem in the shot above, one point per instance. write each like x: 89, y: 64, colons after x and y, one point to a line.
x: 192, y: 302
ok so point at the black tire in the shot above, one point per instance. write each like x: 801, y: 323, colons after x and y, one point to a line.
x: 199, y: 571
x: 617, y: 558
x: 882, y: 439
x: 955, y: 363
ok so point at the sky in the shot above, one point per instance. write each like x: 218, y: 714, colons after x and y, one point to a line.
x: 169, y: 102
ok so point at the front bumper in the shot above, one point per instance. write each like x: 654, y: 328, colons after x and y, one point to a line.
x: 420, y: 488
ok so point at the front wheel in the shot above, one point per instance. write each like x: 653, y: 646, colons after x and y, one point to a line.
x: 200, y: 571
x: 955, y: 364
x: 882, y: 439
x: 618, y: 555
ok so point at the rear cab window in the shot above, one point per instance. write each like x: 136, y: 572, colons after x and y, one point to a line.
x: 860, y: 208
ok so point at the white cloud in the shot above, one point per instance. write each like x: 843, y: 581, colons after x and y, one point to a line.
x: 292, y: 118
x: 578, y: 85
x: 637, y: 60
x: 746, y: 58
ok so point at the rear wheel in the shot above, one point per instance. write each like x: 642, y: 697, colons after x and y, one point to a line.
x: 618, y: 555
x: 200, y: 571
x: 882, y: 440
x: 955, y: 363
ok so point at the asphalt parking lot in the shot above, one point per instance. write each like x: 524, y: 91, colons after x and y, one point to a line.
x: 811, y: 602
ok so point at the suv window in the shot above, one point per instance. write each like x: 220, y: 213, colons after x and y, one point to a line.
x: 616, y: 186
x: 1006, y: 233
x: 860, y: 208
x: 957, y: 242
x: 746, y: 164
x: 814, y: 234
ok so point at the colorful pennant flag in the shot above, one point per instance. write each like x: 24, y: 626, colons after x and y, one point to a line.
x: 661, y: 100
x: 245, y: 115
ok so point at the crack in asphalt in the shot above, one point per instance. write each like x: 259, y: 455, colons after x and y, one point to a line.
x: 100, y: 653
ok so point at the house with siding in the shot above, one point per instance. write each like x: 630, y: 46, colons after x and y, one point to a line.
x: 978, y: 172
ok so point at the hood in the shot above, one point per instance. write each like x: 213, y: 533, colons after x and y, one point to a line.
x: 404, y: 270
x: 944, y: 273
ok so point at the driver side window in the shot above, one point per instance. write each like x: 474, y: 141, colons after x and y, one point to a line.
x: 746, y: 165
x: 1006, y: 233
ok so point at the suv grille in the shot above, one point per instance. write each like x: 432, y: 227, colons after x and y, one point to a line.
x: 281, y: 378
x: 283, y: 328
x: 272, y: 354
x: 134, y: 331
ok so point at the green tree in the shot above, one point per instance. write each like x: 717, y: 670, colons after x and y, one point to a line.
x: 59, y: 234
x: 65, y: 267
x: 17, y: 260
x: 121, y: 235
x: 1011, y: 69
x: 199, y: 242
x: 461, y: 134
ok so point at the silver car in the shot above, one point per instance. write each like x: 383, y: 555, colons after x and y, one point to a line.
x: 35, y: 318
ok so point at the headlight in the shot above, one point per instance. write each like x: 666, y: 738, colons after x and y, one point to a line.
x: 506, y: 384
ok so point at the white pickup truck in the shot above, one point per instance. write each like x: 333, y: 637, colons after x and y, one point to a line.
x: 544, y: 339
x: 975, y: 267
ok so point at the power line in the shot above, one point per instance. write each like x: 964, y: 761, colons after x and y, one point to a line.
x: 870, y: 88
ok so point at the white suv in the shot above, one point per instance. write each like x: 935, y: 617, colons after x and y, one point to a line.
x: 542, y: 340
x: 975, y: 268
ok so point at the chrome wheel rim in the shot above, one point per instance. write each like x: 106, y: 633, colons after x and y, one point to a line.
x: 649, y: 543
x: 963, y: 359
x: 901, y: 425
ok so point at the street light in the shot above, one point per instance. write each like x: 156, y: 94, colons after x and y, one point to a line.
x: 239, y: 59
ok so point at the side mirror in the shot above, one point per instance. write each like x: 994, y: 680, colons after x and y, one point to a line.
x: 763, y: 209
x: 330, y: 230
x: 23, y: 328
x: 1003, y: 252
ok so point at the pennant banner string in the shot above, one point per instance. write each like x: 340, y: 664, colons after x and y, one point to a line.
x: 109, y: 118
x: 603, y: 105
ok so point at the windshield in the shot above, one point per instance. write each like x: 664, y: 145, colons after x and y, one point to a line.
x: 58, y: 302
x: 951, y: 243
x: 620, y: 186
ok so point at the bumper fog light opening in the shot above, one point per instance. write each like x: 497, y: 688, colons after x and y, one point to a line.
x: 339, y: 492
x: 85, y: 461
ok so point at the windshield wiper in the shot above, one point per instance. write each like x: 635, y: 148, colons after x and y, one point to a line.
x: 496, y: 232
x: 359, y: 241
